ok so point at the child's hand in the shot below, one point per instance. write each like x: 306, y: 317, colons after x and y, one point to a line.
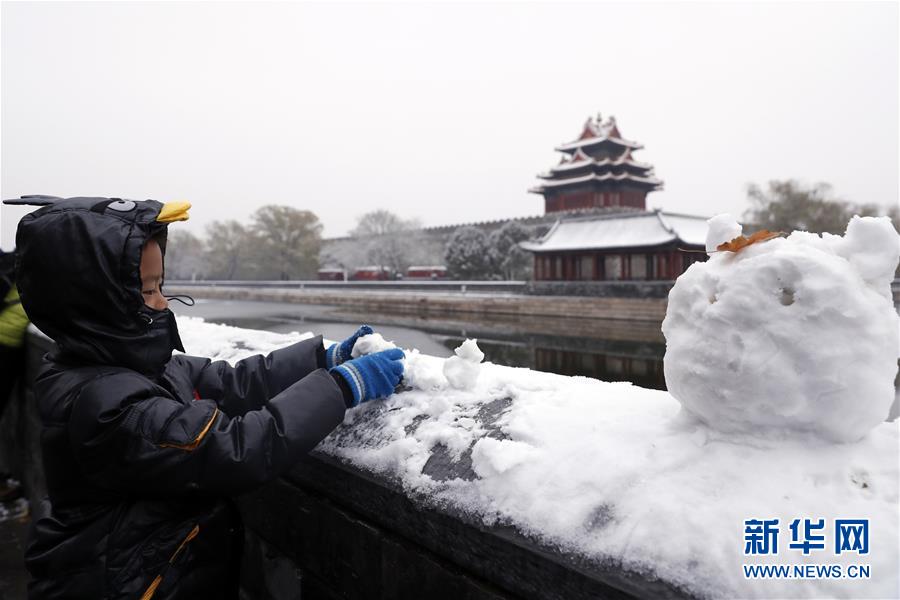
x: 339, y: 353
x: 372, y: 376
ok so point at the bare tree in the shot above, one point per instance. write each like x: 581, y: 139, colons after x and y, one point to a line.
x: 894, y: 213
x: 226, y: 249
x: 185, y: 256
x: 788, y: 205
x: 388, y: 240
x: 347, y: 254
x: 382, y: 222
x: 285, y: 243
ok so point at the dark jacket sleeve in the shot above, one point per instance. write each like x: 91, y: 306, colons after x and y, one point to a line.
x: 128, y: 439
x: 251, y: 382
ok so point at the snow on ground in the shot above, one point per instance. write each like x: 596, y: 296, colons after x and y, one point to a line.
x: 222, y: 342
x: 615, y: 472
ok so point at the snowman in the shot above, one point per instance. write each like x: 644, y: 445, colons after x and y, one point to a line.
x: 790, y: 335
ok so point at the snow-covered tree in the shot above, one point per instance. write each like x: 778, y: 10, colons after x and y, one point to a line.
x: 467, y: 254
x: 509, y: 261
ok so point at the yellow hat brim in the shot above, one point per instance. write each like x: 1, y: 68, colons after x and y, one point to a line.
x: 174, y: 211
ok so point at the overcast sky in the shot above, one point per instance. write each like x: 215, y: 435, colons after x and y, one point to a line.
x: 441, y: 112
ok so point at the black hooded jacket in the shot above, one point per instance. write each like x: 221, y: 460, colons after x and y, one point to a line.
x: 142, y: 449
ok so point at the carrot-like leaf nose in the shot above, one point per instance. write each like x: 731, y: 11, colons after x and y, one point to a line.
x: 174, y: 211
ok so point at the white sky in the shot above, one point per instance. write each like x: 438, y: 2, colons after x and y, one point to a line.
x: 442, y: 112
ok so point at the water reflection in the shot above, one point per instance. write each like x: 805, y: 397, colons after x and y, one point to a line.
x: 643, y: 371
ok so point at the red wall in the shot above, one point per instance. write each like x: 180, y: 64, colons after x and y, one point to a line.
x: 370, y: 275
x: 665, y: 264
x: 595, y: 199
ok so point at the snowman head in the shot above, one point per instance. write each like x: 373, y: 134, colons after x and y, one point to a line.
x: 795, y: 334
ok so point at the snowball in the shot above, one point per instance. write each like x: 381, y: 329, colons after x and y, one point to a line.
x: 788, y: 335
x: 722, y: 228
x: 462, y: 370
x: 423, y: 372
x: 369, y: 344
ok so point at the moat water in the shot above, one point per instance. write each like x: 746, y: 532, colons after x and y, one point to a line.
x: 607, y: 350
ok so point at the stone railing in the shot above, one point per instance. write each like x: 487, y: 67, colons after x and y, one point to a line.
x: 446, y: 286
x: 603, y: 289
x: 387, y: 299
x: 329, y: 530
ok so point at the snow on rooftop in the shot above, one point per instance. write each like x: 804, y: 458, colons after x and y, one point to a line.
x: 581, y: 164
x: 690, y: 230
x: 621, y: 231
x: 596, y: 141
x: 579, y: 156
x: 615, y: 473
x: 596, y: 131
x: 594, y: 177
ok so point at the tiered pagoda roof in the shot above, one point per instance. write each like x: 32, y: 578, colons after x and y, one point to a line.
x: 600, y: 154
x: 597, y: 132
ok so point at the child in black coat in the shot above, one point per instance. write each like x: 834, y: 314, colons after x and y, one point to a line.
x: 142, y: 450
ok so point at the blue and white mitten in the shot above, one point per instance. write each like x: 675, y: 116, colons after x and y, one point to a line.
x: 372, y: 376
x: 339, y: 353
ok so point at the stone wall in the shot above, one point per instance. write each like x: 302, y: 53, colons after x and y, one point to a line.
x: 384, y: 300
x: 430, y: 241
x: 602, y: 289
x: 328, y: 531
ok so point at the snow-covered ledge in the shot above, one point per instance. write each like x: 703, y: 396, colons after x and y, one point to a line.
x: 539, y: 485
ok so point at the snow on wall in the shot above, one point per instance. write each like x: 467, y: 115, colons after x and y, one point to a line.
x: 614, y: 472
